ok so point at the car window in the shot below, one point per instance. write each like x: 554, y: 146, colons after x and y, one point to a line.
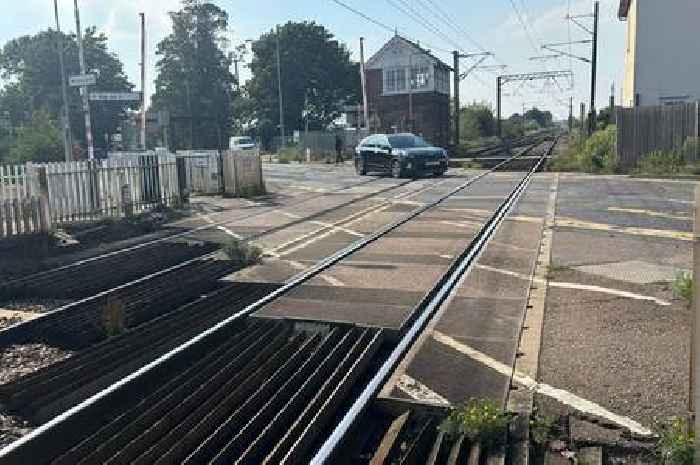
x: 244, y: 140
x: 382, y: 141
x: 406, y: 141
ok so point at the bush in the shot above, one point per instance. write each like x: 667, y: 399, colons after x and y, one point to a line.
x: 683, y: 286
x: 243, y: 254
x: 290, y: 153
x: 676, y: 443
x: 660, y: 163
x: 40, y: 141
x: 478, y: 420
x: 597, y: 154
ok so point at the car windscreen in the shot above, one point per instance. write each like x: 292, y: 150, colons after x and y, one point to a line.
x: 407, y: 142
x: 245, y: 140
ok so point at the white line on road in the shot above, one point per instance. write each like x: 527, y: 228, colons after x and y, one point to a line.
x: 560, y: 395
x: 329, y: 279
x: 419, y: 391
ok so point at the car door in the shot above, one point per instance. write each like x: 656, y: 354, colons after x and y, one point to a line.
x: 367, y: 151
x: 383, y: 153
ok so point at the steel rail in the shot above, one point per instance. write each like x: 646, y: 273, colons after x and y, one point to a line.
x: 433, y: 302
x: 26, y: 449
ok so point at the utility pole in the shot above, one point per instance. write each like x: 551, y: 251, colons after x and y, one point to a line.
x: 363, y: 80
x: 583, y: 120
x: 143, y: 80
x: 455, y: 56
x: 279, y: 87
x: 694, y: 397
x: 594, y: 66
x: 83, y: 89
x: 235, y: 67
x: 571, y: 114
x: 499, y: 84
x: 67, y: 142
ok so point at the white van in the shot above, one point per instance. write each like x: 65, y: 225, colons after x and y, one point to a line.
x: 241, y: 143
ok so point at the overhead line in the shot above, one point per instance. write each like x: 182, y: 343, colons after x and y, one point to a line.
x: 408, y: 11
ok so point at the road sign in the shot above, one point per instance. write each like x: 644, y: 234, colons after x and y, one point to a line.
x: 81, y: 80
x: 116, y: 96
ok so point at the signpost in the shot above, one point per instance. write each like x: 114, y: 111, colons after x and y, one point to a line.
x: 116, y: 96
x: 81, y: 80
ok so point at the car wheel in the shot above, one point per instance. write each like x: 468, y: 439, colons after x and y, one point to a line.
x: 396, y: 170
x: 360, y: 167
x: 439, y: 173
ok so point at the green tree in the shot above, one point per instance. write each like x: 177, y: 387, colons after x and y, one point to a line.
x: 317, y: 76
x: 40, y: 140
x: 31, y: 65
x: 194, y: 82
x: 477, y: 121
x: 543, y: 118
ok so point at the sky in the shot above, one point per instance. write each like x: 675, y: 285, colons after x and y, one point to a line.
x: 514, y: 30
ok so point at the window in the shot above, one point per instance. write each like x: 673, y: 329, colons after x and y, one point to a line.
x: 390, y: 80
x: 419, y: 77
x: 401, y: 79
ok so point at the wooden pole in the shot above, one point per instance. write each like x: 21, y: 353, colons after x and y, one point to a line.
x: 693, y: 397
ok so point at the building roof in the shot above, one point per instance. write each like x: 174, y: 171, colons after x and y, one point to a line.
x: 624, y: 9
x: 415, y: 45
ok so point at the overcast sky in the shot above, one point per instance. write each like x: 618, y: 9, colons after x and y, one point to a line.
x: 512, y: 29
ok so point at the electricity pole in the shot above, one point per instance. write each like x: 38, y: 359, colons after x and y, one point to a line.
x: 499, y: 127
x: 67, y: 142
x: 279, y: 87
x: 571, y: 114
x: 363, y: 80
x: 594, y: 66
x: 143, y: 80
x: 455, y: 65
x: 83, y: 89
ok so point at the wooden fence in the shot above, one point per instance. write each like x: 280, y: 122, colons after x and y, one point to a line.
x: 36, y: 197
x: 242, y: 173
x: 643, y: 130
x: 203, y: 171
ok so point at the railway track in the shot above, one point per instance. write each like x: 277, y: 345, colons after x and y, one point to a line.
x: 280, y: 408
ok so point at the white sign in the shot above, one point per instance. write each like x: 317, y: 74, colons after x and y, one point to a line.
x: 116, y: 96
x: 81, y: 80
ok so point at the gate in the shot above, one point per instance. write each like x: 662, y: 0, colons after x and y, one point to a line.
x: 203, y: 171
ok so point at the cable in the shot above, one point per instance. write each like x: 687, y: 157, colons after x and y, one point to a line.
x: 423, y: 22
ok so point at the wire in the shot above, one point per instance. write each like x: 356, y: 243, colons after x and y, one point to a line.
x: 444, y: 17
x: 424, y: 22
x: 525, y: 28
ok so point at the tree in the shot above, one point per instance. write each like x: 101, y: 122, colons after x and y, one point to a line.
x: 317, y: 76
x: 194, y: 83
x: 40, y: 141
x: 31, y: 65
x: 543, y: 118
x: 477, y: 121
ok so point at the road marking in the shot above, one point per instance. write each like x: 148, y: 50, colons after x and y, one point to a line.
x: 576, y: 286
x: 560, y: 395
x: 329, y: 279
x: 325, y: 225
x: 652, y: 213
x: 463, y: 224
x: 486, y: 213
x: 662, y: 233
x: 419, y: 391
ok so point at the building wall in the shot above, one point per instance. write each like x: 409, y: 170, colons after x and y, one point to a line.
x: 666, y: 63
x: 628, y: 90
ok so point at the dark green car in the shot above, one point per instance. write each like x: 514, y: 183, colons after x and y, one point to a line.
x: 401, y: 155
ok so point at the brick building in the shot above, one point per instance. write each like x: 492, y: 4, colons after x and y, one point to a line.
x: 408, y: 89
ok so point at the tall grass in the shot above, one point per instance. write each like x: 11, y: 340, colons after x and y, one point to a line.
x: 596, y: 154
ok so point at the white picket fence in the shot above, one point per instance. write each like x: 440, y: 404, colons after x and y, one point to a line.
x: 242, y: 173
x: 83, y: 191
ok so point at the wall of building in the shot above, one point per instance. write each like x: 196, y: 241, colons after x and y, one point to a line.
x: 666, y: 63
x: 628, y: 89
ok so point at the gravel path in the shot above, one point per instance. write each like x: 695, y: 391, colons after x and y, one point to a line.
x: 19, y: 360
x: 34, y: 305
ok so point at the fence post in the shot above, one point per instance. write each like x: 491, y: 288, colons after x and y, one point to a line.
x: 181, y: 168
x: 43, y: 194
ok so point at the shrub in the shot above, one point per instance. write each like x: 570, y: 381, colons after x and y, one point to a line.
x: 113, y: 317
x: 479, y: 420
x: 676, y: 443
x: 683, y: 286
x: 243, y: 254
x: 290, y: 153
x: 597, y: 154
x: 660, y: 163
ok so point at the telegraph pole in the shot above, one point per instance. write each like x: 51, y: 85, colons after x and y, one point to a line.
x: 571, y: 114
x: 83, y: 89
x: 455, y: 56
x: 143, y: 80
x: 594, y: 66
x: 363, y: 80
x: 67, y: 142
x: 499, y: 84
x: 279, y: 87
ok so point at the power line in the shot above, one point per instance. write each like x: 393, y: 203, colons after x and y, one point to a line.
x: 525, y: 28
x: 424, y: 22
x: 439, y: 12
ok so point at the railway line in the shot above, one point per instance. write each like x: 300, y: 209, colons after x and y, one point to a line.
x: 272, y: 386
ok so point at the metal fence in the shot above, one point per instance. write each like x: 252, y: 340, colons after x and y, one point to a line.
x: 321, y: 144
x: 35, y: 197
x: 643, y: 130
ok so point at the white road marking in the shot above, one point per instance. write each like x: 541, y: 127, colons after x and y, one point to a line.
x: 562, y: 396
x: 652, y: 213
x: 462, y: 224
x: 576, y: 286
x: 229, y: 232
x: 419, y: 391
x: 662, y: 233
x: 486, y: 213
x: 329, y: 279
x: 325, y: 225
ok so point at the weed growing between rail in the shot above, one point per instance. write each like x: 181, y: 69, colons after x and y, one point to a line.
x: 683, y: 286
x: 113, y: 317
x: 676, y: 442
x: 243, y: 254
x: 479, y: 420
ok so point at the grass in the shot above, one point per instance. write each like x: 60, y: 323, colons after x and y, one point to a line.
x: 243, y: 254
x: 113, y: 317
x: 677, y: 162
x: 596, y: 154
x: 252, y: 191
x: 683, y: 286
x: 479, y: 420
x: 552, y: 270
x: 289, y: 154
x: 471, y: 165
x: 676, y: 442
x: 542, y: 428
